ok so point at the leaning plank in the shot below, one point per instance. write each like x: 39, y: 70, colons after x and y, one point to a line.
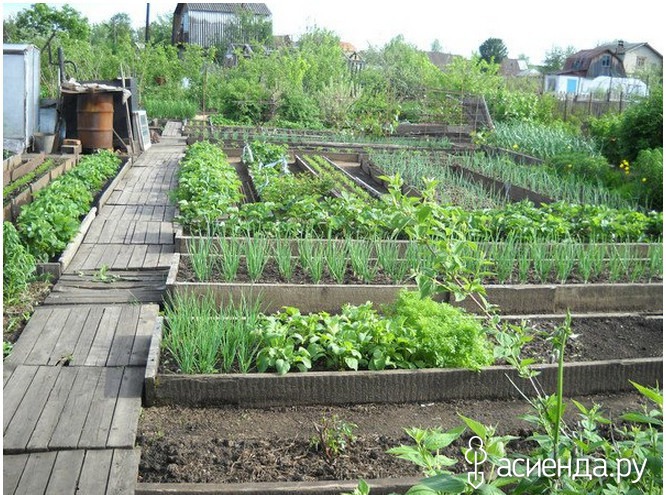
x: 12, y: 470
x: 36, y: 473
x: 27, y: 414
x: 128, y: 407
x: 65, y: 475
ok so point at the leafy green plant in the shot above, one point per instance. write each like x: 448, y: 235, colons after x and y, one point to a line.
x: 443, y: 335
x: 47, y: 224
x: 208, y: 187
x: 333, y: 436
x: 18, y: 265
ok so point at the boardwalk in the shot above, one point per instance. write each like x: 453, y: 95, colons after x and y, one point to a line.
x: 73, y: 384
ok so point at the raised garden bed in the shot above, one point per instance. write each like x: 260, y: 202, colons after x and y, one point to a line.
x: 57, y: 267
x: 608, y: 352
x: 31, y: 175
x: 511, y: 299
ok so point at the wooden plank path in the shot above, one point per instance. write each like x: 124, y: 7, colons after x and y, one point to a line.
x: 73, y: 384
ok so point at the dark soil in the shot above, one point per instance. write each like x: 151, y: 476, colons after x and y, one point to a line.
x: 185, y: 445
x: 599, y: 338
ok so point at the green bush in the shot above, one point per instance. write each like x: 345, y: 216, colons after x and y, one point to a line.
x: 18, y: 265
x: 444, y: 336
x: 642, y: 126
x: 648, y: 170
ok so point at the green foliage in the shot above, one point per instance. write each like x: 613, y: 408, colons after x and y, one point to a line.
x: 555, y: 58
x: 169, y: 109
x: 539, y: 140
x: 648, y: 177
x: 642, y: 125
x: 206, y: 337
x: 48, y: 223
x: 18, y: 265
x: 445, y: 336
x: 493, y: 50
x: 208, y: 187
x: 332, y: 437
x: 41, y: 20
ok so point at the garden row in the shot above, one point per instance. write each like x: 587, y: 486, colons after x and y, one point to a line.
x: 25, y: 175
x: 300, y: 206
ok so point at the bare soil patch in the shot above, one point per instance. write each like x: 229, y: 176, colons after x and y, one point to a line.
x: 186, y: 445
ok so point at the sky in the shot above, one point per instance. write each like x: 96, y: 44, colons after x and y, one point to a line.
x: 528, y: 28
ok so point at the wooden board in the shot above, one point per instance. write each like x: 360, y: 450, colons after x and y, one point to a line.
x: 71, y: 472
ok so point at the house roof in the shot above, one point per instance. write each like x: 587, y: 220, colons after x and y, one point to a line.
x: 579, y: 63
x: 629, y: 47
x: 225, y: 8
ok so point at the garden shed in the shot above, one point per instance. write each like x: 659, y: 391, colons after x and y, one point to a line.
x: 203, y: 24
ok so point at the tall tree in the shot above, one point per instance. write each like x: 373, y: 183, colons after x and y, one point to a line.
x: 555, y: 58
x: 40, y: 20
x: 436, y: 46
x: 493, y: 50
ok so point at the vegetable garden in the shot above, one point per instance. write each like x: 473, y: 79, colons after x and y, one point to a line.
x: 363, y: 302
x: 334, y: 267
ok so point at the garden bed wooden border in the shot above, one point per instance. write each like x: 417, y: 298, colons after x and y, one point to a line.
x: 511, y: 299
x: 384, y: 486
x: 261, y: 390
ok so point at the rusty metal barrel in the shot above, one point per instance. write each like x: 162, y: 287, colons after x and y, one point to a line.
x: 95, y: 120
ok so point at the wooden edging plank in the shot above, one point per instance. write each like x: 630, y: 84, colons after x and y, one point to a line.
x: 262, y: 390
x: 384, y: 486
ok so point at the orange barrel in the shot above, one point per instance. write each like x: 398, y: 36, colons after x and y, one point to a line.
x: 95, y: 120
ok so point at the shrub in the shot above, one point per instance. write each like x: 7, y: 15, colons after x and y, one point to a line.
x: 584, y: 165
x: 648, y: 172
